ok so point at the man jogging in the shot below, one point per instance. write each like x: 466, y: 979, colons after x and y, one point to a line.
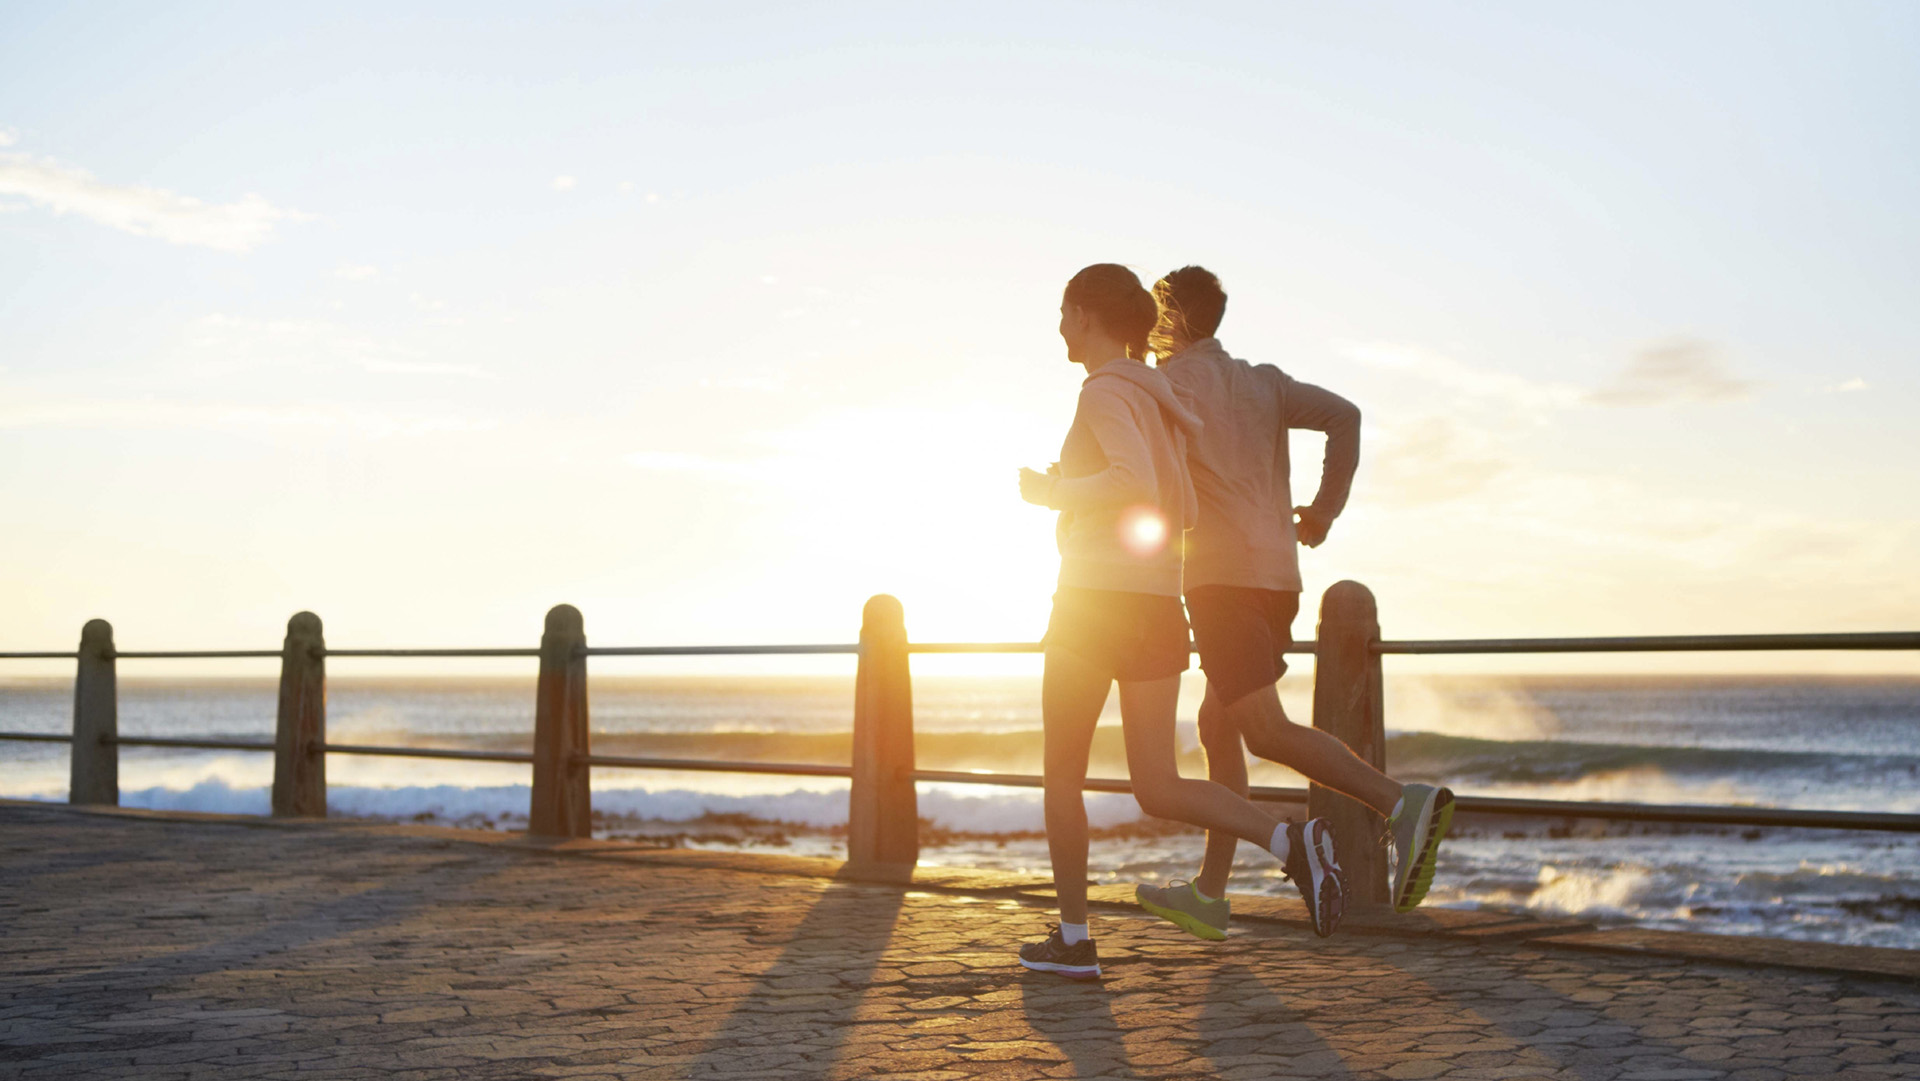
x: 1242, y: 586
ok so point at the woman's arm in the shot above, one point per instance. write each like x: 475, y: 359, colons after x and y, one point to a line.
x: 1128, y: 477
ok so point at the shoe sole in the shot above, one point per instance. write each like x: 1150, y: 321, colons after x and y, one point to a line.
x: 1071, y: 972
x: 1186, y: 921
x: 1434, y: 830
x: 1329, y: 902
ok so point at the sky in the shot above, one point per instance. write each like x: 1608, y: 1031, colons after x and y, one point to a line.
x: 714, y: 320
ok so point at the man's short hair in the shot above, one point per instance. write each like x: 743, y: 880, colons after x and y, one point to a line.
x: 1194, y: 299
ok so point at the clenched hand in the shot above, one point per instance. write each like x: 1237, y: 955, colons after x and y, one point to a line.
x: 1311, y: 526
x: 1035, y: 486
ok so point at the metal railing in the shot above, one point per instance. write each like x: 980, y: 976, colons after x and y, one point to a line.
x: 883, y: 771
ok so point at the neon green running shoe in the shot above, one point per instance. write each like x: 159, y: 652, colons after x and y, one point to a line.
x: 1180, y: 903
x: 1415, y: 831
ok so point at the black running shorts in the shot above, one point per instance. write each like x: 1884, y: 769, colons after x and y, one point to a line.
x: 1135, y: 636
x: 1243, y: 635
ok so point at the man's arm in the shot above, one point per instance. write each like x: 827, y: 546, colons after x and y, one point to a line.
x: 1318, y: 409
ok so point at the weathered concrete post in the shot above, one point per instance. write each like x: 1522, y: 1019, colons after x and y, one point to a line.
x: 1347, y: 702
x: 95, y: 759
x: 883, y: 816
x: 299, y: 761
x: 562, y: 793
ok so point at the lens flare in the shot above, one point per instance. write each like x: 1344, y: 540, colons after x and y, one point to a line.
x: 1143, y: 530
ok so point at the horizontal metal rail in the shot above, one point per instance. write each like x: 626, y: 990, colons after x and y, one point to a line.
x: 1304, y: 648
x: 1679, y: 813
x: 193, y: 744
x: 1692, y: 814
x: 1671, y: 643
x: 512, y: 652
x: 705, y: 765
x: 1094, y: 784
x: 715, y: 651
x: 190, y: 654
x: 975, y: 647
x: 269, y: 654
x: 1671, y: 813
x: 428, y: 752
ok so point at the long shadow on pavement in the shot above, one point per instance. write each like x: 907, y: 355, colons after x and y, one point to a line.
x: 1540, y: 1023
x: 1078, y: 1019
x: 801, y: 1008
x: 134, y: 980
x: 1242, y: 1016
x: 111, y: 993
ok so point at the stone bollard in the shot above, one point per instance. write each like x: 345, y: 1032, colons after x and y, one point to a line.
x: 95, y: 758
x: 883, y: 817
x: 562, y: 789
x: 300, y: 736
x: 1347, y: 702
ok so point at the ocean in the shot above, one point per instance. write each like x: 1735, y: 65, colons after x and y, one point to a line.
x: 1839, y: 743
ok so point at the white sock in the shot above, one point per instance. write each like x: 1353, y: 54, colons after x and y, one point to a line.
x: 1278, y: 844
x: 1073, y: 933
x: 1202, y: 894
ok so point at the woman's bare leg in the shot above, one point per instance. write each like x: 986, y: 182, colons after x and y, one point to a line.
x: 1072, y: 694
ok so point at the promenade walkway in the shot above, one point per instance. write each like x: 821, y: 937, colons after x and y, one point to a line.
x: 157, y: 947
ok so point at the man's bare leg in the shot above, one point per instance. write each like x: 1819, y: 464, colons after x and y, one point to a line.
x: 1319, y: 756
x: 1261, y: 721
x: 1226, y: 766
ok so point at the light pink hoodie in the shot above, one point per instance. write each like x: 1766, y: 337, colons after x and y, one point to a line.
x: 1124, y: 457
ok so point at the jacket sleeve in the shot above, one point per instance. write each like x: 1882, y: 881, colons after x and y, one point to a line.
x: 1128, y: 477
x: 1303, y: 405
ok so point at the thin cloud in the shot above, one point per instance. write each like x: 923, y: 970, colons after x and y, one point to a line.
x: 223, y: 345
x: 1848, y: 387
x: 237, y: 227
x: 1433, y: 460
x: 402, y: 367
x: 7, y: 137
x: 354, y: 273
x: 563, y: 183
x: 1681, y: 371
x: 1528, y: 397
x: 120, y: 414
x: 674, y: 461
x: 754, y: 383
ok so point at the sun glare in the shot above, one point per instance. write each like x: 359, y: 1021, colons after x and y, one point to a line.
x: 1143, y: 530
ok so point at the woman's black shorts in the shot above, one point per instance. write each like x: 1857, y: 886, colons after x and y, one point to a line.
x: 1135, y: 636
x: 1242, y: 635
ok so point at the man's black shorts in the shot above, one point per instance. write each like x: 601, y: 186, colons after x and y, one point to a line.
x: 1136, y: 636
x: 1242, y: 635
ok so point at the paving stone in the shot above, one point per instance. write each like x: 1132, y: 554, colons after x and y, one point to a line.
x: 158, y: 948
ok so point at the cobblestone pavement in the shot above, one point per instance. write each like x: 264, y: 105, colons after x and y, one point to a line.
x: 156, y: 949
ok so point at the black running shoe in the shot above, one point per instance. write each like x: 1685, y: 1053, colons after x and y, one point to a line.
x: 1075, y: 962
x: 1312, y: 867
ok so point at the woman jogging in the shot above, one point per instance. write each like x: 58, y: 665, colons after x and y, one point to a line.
x: 1125, y: 499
